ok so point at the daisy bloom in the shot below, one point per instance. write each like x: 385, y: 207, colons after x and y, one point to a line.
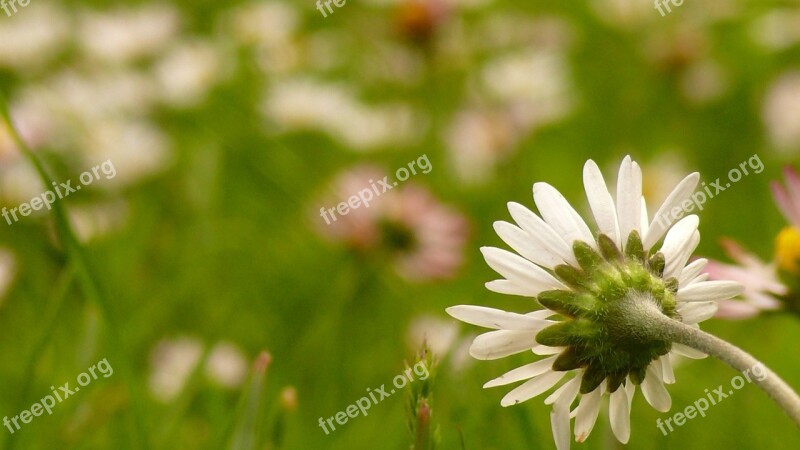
x: 594, y: 287
x: 768, y: 285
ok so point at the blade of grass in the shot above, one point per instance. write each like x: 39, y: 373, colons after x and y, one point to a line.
x: 40, y: 343
x: 88, y: 281
x: 245, y: 435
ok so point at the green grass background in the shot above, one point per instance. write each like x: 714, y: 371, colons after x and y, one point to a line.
x: 221, y: 246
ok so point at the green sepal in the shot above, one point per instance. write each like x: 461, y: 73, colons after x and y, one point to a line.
x: 569, y: 359
x: 671, y: 284
x: 587, y: 257
x: 615, y: 381
x: 610, y: 286
x: 571, y: 276
x: 568, y: 303
x: 656, y: 264
x: 634, y: 248
x: 637, y: 375
x: 592, y: 378
x: 609, y: 249
x: 570, y: 332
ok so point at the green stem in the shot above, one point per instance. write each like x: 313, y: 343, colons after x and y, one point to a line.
x: 40, y: 342
x: 643, y: 314
x: 88, y: 281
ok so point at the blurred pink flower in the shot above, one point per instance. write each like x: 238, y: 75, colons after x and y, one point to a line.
x: 760, y: 281
x: 423, y: 238
x: 788, y: 199
x: 764, y: 284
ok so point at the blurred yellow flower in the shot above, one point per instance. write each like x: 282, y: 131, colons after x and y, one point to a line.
x: 787, y: 250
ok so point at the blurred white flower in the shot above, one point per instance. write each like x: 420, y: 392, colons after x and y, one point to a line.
x: 437, y: 333
x: 227, y: 365
x: 137, y: 148
x: 781, y: 112
x: 704, y: 81
x: 777, y: 30
x: 331, y: 108
x: 188, y: 72
x: 270, y: 27
x: 19, y: 183
x: 172, y: 361
x: 33, y: 125
x: 443, y: 340
x: 625, y: 13
x: 477, y: 140
x: 101, y: 95
x: 93, y: 221
x: 267, y: 23
x: 31, y: 40
x: 127, y: 34
x: 535, y: 84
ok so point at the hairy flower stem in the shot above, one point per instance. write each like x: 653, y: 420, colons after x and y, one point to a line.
x: 643, y: 317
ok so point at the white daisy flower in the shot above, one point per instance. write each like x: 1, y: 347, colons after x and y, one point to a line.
x: 589, y: 281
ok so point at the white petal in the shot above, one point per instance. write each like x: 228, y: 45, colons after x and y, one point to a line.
x: 600, y: 201
x: 663, y: 217
x: 699, y: 278
x: 656, y: 364
x: 566, y: 389
x: 697, y: 312
x: 620, y: 415
x: 509, y: 288
x: 502, y: 343
x: 544, y: 350
x: 630, y: 390
x: 709, y: 290
x: 542, y: 232
x: 559, y: 416
x: 588, y: 410
x: 541, y: 314
x: 519, y: 270
x: 523, y: 373
x: 687, y: 351
x: 532, y: 388
x: 654, y: 391
x: 680, y: 259
x: 629, y: 194
x: 667, y: 374
x: 559, y: 422
x: 526, y: 245
x: 644, y: 225
x: 561, y: 216
x: 496, y: 318
x: 691, y: 271
x: 676, y: 241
